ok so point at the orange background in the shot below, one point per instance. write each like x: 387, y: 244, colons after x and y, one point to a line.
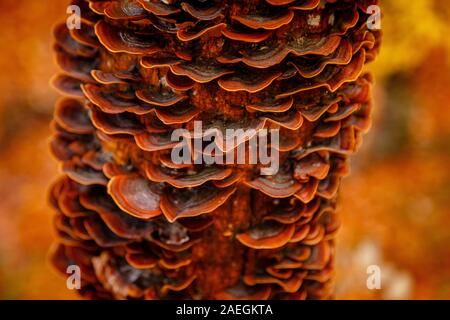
x: 394, y: 206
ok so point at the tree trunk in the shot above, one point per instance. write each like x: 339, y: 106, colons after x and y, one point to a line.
x: 140, y: 224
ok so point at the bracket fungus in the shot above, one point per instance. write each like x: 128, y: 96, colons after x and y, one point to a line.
x: 142, y: 226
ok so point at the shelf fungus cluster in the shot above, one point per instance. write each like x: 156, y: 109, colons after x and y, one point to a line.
x: 141, y: 226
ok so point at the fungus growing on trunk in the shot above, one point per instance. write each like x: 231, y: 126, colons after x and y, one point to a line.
x: 140, y: 225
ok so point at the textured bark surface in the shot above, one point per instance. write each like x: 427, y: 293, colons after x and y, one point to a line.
x: 140, y: 225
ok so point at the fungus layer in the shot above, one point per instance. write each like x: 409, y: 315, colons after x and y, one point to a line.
x: 142, y: 226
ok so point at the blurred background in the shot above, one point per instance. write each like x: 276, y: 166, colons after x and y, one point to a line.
x: 394, y: 206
